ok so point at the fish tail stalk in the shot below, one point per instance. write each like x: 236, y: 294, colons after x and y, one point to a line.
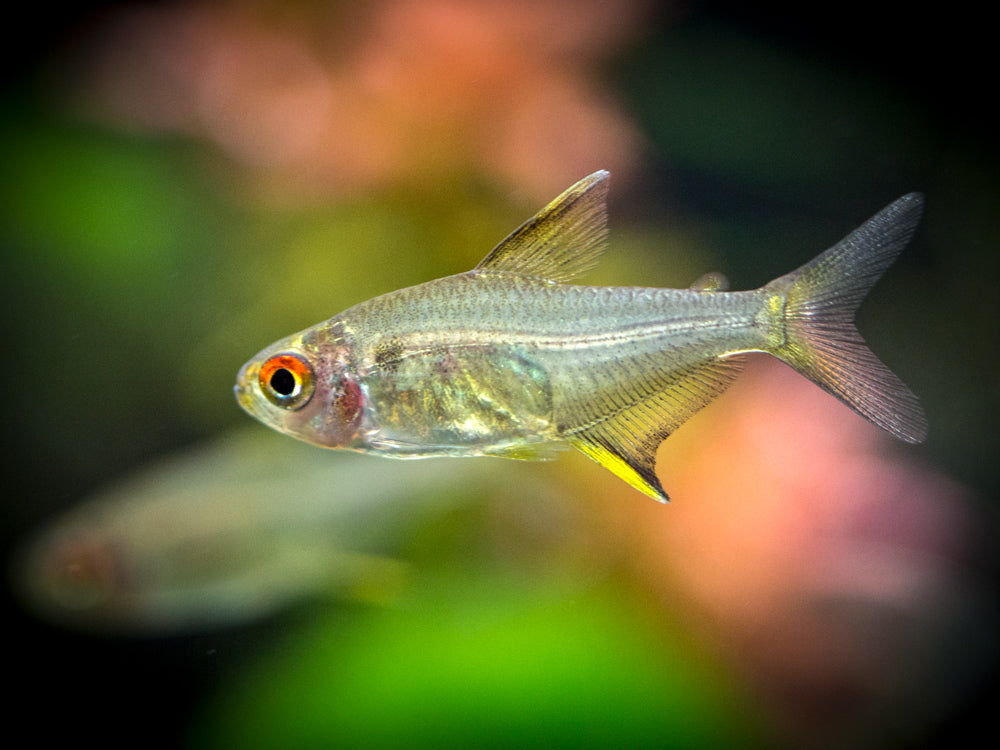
x: 820, y: 339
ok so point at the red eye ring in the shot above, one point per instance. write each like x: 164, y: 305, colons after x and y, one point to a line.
x: 287, y: 381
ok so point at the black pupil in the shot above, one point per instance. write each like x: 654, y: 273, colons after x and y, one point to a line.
x: 283, y: 382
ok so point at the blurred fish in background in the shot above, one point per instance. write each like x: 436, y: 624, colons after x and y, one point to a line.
x: 239, y: 529
x: 182, y: 182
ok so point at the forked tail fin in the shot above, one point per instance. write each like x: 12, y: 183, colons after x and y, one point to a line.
x: 821, y: 340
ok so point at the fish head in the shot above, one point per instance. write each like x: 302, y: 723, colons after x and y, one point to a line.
x: 304, y: 386
x: 70, y: 574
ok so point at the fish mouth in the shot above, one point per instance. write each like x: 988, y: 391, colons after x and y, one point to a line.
x: 241, y: 396
x: 242, y: 389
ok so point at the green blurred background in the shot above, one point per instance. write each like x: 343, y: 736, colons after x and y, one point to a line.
x: 184, y: 183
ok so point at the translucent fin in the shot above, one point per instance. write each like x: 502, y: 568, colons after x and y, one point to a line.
x: 529, y: 451
x: 638, y: 474
x: 713, y: 281
x: 563, y: 240
x: 821, y: 340
x: 623, y: 430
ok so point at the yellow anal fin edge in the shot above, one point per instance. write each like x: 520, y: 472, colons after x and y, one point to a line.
x: 638, y: 473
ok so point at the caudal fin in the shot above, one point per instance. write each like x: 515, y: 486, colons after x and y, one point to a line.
x: 821, y: 340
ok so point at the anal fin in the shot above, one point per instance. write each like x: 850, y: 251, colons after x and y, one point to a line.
x: 637, y: 470
x: 624, y: 436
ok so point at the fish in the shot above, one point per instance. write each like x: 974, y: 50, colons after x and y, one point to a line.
x: 240, y: 528
x: 510, y: 360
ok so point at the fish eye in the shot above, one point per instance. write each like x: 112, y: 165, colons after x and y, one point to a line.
x: 287, y: 381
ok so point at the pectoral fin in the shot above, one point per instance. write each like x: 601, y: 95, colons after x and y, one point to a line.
x: 622, y: 434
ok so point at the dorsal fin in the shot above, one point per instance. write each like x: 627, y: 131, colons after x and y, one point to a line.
x: 562, y: 240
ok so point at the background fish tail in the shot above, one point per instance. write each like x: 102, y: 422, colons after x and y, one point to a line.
x: 821, y: 340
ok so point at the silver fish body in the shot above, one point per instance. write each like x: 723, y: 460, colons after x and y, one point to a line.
x: 506, y: 360
x: 506, y: 363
